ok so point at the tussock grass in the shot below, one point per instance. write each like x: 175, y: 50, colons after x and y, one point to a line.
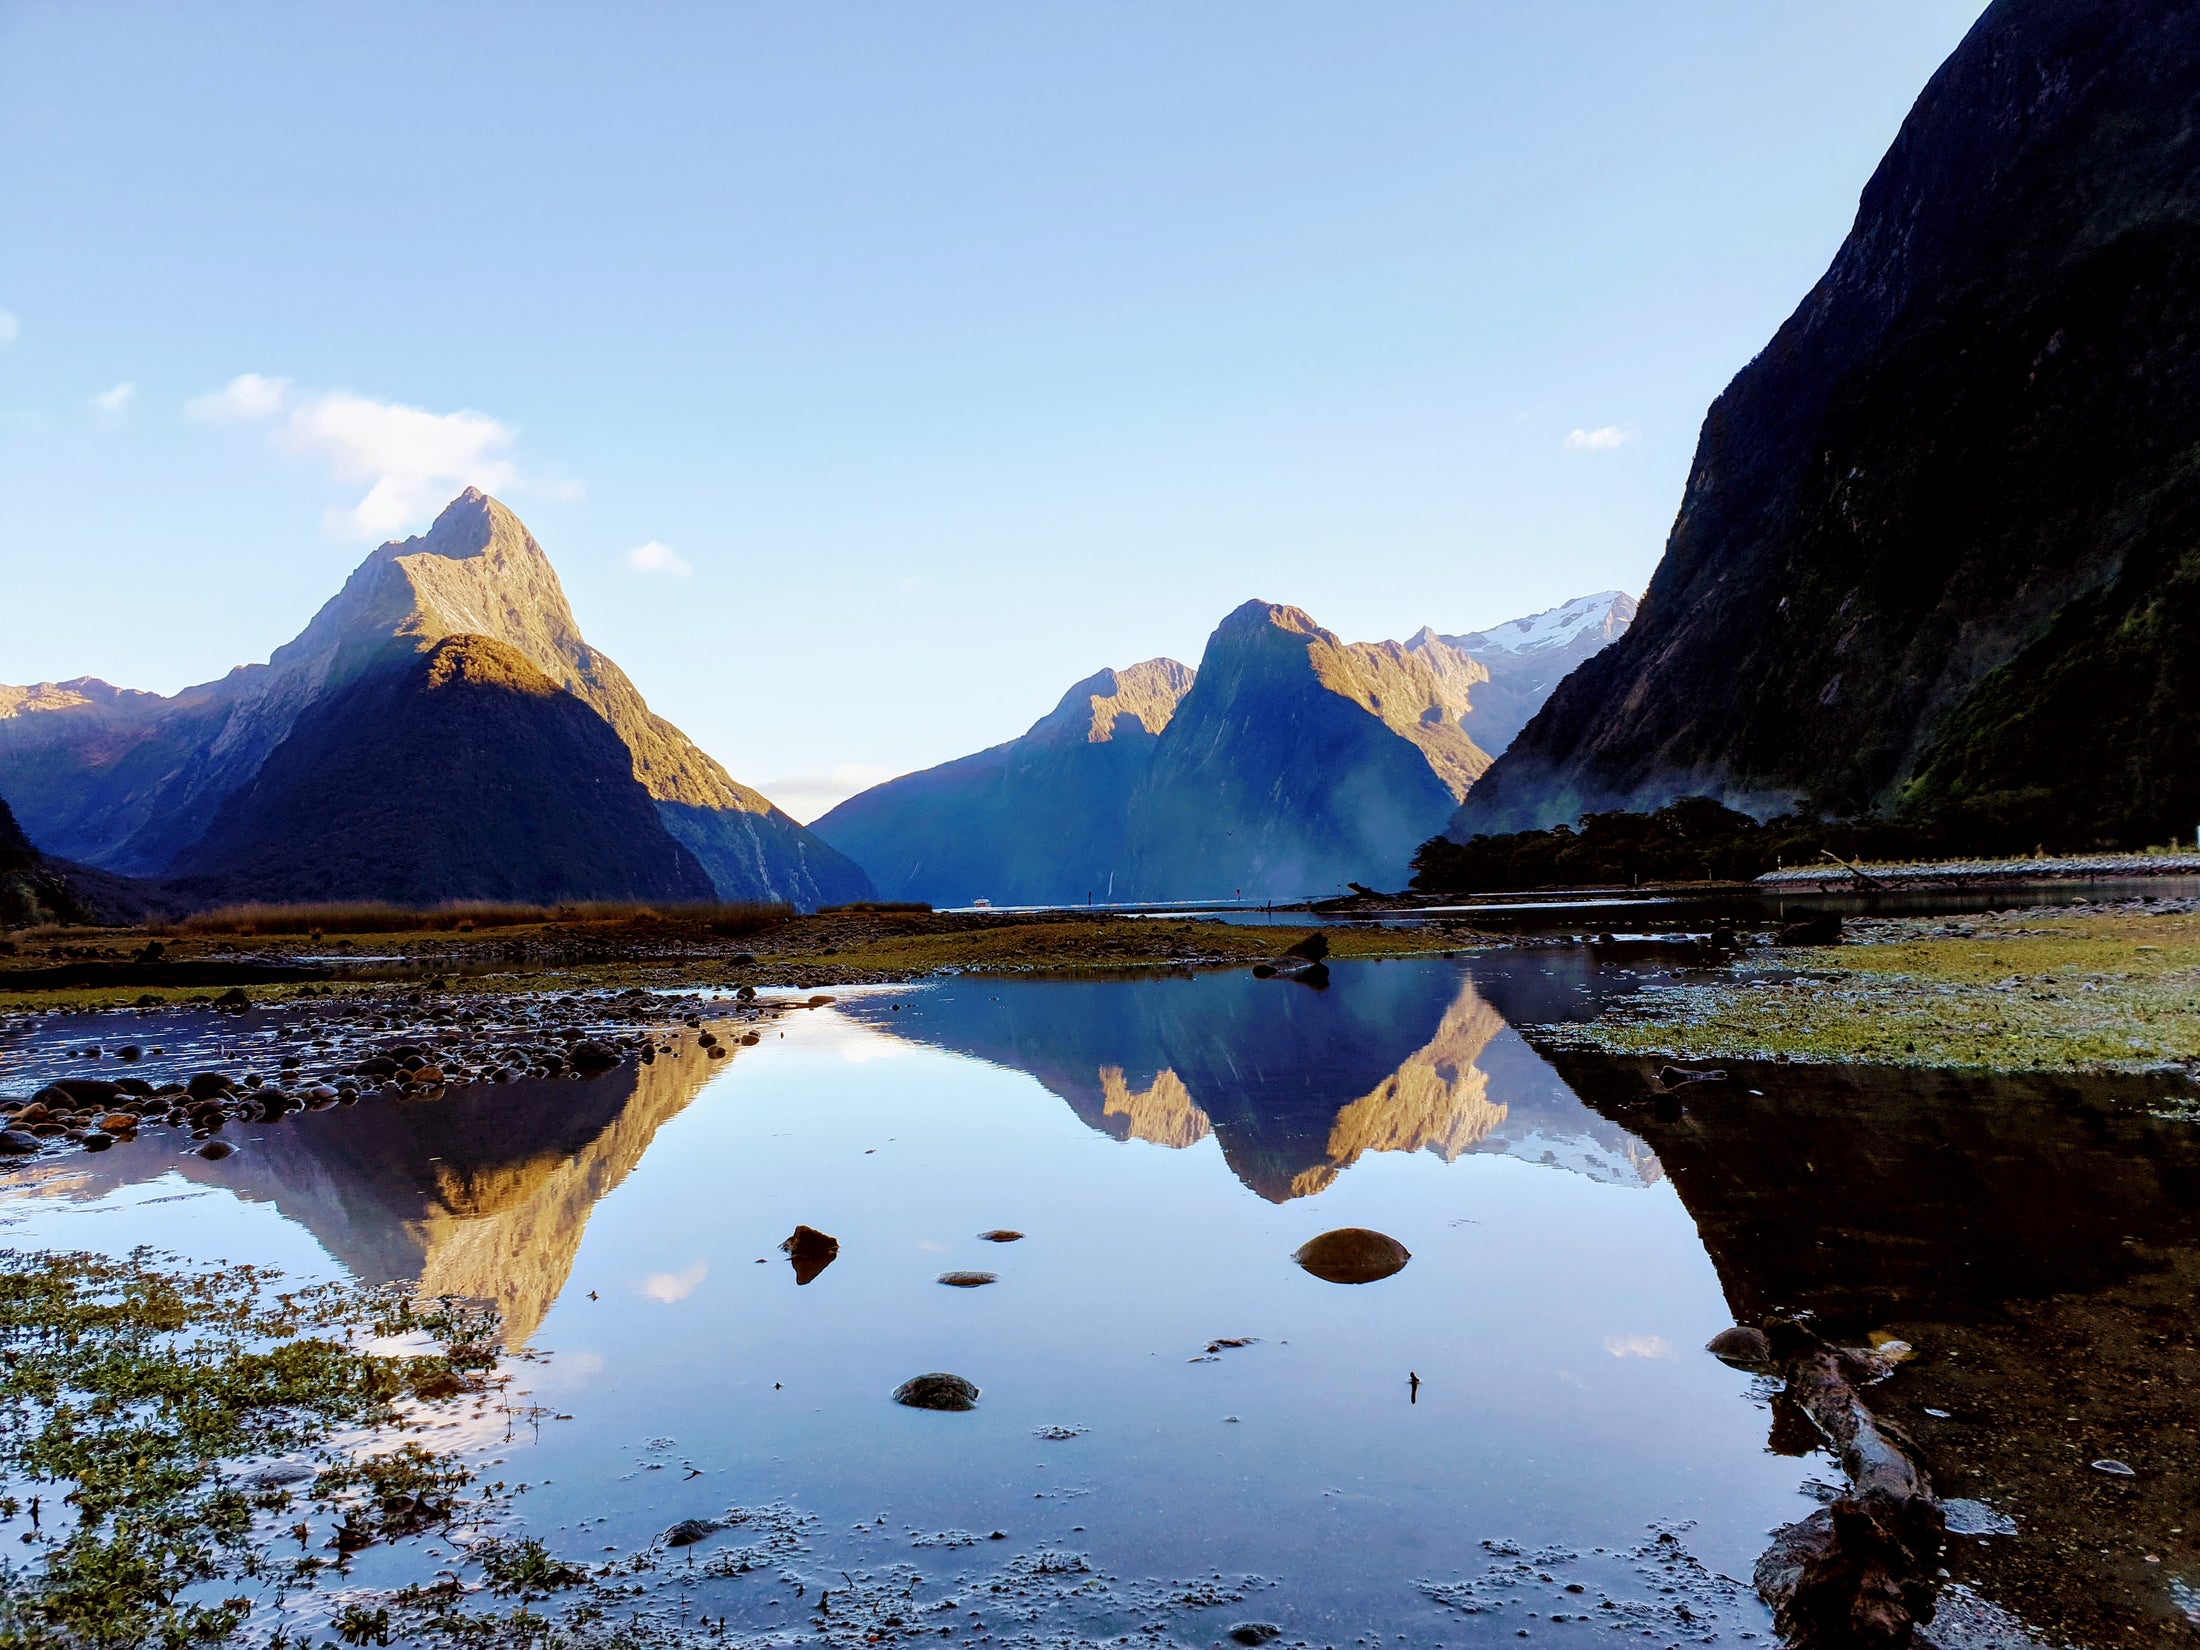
x: 365, y: 917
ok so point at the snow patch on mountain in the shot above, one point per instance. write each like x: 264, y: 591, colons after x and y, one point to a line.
x: 1603, y: 616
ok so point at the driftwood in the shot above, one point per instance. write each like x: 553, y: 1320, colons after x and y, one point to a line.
x: 1856, y: 1575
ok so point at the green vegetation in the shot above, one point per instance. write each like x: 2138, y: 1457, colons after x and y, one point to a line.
x: 2021, y: 992
x: 133, y: 1396
x: 1692, y: 840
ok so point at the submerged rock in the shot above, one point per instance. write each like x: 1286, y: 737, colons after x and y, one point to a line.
x: 215, y: 1150
x: 1254, y: 1632
x: 969, y: 1280
x: 1001, y: 1234
x: 1352, y: 1254
x: 938, y: 1390
x: 811, y: 1251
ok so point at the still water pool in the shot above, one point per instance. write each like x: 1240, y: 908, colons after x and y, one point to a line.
x: 1518, y: 1433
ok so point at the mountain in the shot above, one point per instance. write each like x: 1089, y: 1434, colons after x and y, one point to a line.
x: 37, y: 888
x: 1524, y: 660
x: 132, y: 781
x: 1288, y: 764
x: 1032, y: 821
x: 1937, y: 552
x: 1298, y: 763
x: 461, y: 773
x: 32, y: 889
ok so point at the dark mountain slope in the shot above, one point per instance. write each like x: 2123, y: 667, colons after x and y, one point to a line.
x: 130, y: 780
x: 461, y: 772
x: 37, y: 888
x: 1935, y: 548
x: 1297, y: 763
x: 1036, y: 820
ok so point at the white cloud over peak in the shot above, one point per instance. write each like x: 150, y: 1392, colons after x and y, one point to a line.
x: 7, y: 328
x: 657, y: 558
x: 1602, y: 439
x: 410, y: 459
x: 114, y: 400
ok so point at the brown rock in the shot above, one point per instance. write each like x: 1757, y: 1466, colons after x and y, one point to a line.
x: 1352, y: 1254
x: 811, y: 1251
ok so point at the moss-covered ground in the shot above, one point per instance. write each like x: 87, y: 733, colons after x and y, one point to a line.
x: 2023, y: 991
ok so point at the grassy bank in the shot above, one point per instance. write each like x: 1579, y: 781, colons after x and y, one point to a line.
x: 2033, y: 991
x: 650, y: 948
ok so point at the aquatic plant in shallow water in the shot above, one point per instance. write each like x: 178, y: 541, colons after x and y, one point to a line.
x: 131, y: 1392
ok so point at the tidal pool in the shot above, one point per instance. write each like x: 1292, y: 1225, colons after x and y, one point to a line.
x: 1518, y: 1432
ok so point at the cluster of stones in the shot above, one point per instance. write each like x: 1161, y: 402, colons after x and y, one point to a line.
x: 421, y: 1053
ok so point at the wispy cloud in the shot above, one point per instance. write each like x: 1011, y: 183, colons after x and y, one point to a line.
x: 114, y: 400
x: 806, y: 795
x: 1602, y: 439
x: 669, y: 1287
x: 7, y: 328
x: 657, y: 558
x: 410, y: 459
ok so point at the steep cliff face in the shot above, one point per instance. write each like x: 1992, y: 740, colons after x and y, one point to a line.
x: 1937, y: 548
x: 132, y: 780
x: 459, y: 773
x: 1297, y: 763
x: 1036, y: 820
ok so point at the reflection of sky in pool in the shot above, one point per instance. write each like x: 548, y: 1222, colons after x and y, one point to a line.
x: 1165, y: 1144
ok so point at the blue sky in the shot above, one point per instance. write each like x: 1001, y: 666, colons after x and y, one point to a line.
x: 872, y: 372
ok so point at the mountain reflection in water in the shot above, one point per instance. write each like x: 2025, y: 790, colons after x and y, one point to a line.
x: 483, y: 1192
x: 1295, y: 1085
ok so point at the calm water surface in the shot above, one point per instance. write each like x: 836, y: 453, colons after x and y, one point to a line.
x: 1165, y: 1143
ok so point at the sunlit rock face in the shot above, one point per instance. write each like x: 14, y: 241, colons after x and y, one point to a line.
x: 1294, y: 1086
x: 1935, y: 552
x: 127, y: 781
